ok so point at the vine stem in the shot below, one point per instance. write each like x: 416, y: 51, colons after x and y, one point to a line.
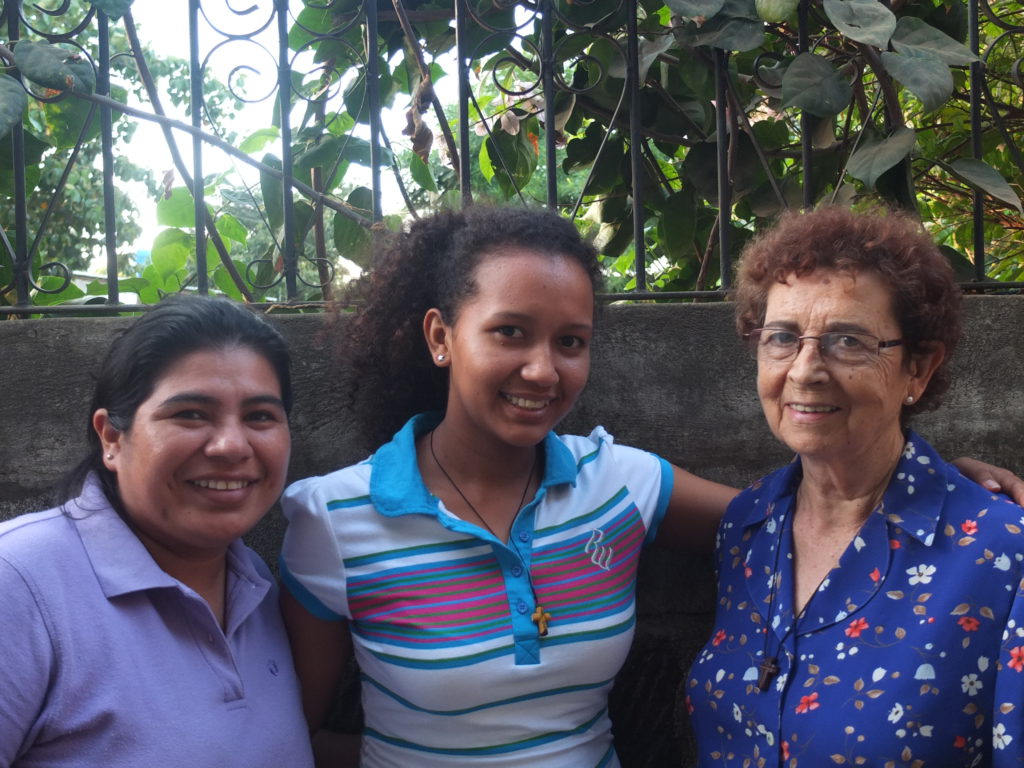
x: 417, y: 50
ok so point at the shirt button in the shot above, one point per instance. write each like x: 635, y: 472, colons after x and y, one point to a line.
x: 522, y: 607
x: 517, y: 570
x: 524, y: 536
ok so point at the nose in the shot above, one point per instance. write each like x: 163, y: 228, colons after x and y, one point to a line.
x: 540, y: 368
x: 808, y: 367
x: 230, y: 441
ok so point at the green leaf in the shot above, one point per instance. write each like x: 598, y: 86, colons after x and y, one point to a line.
x: 649, y: 51
x: 178, y: 210
x: 421, y: 173
x: 914, y: 34
x: 872, y: 160
x: 13, y: 101
x: 273, y: 193
x: 54, y: 67
x: 678, y: 223
x: 114, y: 9
x: 695, y: 9
x: 66, y: 118
x: 231, y: 228
x: 513, y: 158
x: 351, y: 239
x: 222, y: 279
x: 51, y: 283
x: 962, y: 266
x: 811, y: 83
x: 923, y: 73
x: 34, y: 149
x: 257, y: 140
x: 983, y: 176
x: 776, y: 11
x: 171, y: 249
x: 736, y: 27
x: 866, y: 21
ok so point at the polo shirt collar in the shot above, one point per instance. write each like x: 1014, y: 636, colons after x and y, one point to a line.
x: 121, y: 562
x: 397, y: 488
x: 914, y: 499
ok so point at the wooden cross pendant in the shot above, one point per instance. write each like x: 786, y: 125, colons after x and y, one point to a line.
x: 766, y: 672
x: 540, y: 617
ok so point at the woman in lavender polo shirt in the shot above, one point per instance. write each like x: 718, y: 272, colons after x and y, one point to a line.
x: 137, y: 629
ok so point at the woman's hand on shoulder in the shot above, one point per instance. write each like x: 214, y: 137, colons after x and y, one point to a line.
x: 996, y: 479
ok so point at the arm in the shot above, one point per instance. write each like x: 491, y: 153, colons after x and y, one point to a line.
x: 694, y: 511
x: 321, y: 650
x: 28, y: 671
x: 996, y: 479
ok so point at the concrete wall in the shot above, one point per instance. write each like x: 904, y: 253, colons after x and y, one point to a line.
x: 671, y: 379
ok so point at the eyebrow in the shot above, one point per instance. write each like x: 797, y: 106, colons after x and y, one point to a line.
x: 837, y: 327
x: 522, y: 317
x: 199, y: 397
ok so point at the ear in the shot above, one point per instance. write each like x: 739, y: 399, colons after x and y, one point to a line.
x: 922, y: 366
x: 110, y: 438
x: 438, y: 334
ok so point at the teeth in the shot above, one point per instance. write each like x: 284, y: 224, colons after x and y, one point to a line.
x: 221, y: 485
x: 812, y: 408
x: 522, y: 402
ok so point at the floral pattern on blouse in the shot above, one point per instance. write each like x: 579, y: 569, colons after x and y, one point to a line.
x: 910, y: 652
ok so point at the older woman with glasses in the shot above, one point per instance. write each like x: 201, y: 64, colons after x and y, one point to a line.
x: 870, y: 608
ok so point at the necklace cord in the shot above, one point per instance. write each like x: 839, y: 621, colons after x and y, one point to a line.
x: 473, y: 509
x: 540, y: 617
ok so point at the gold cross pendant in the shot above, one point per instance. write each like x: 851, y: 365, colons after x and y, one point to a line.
x: 541, y: 618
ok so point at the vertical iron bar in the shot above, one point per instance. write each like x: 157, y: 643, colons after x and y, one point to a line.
x: 636, y: 144
x: 373, y: 94
x: 107, y: 148
x: 465, y: 185
x: 806, y: 145
x: 547, y: 71
x: 722, y: 157
x: 284, y: 87
x: 21, y: 264
x: 978, y: 212
x: 198, y: 191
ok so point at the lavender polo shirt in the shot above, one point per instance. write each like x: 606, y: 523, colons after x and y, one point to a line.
x: 108, y: 661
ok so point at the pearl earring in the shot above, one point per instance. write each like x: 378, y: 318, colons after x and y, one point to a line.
x: 441, y: 358
x: 110, y: 457
x: 910, y: 399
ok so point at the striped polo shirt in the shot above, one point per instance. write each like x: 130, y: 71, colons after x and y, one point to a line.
x: 454, y: 670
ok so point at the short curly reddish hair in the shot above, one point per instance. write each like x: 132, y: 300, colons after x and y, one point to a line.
x: 925, y: 297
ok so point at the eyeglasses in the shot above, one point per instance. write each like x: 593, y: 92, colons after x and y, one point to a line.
x: 776, y: 345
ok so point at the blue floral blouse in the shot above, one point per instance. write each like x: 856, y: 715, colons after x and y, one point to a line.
x: 910, y: 653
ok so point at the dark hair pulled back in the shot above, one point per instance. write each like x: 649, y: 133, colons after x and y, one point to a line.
x: 139, y: 357
x: 433, y: 265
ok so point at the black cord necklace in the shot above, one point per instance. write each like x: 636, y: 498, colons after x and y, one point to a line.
x: 540, y: 617
x: 769, y: 666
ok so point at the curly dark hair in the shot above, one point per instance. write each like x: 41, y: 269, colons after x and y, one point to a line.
x: 925, y: 297
x: 433, y: 265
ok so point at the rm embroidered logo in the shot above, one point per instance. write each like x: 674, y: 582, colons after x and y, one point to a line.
x: 600, y: 554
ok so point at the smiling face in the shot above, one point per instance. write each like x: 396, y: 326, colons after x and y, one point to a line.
x: 828, y: 411
x: 518, y: 351
x: 206, y: 454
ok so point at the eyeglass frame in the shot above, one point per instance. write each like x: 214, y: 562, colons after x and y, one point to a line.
x: 752, y: 349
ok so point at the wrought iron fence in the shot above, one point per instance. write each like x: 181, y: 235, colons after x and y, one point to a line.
x: 670, y: 131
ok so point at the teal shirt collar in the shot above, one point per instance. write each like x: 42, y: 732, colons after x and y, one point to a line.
x: 396, y: 486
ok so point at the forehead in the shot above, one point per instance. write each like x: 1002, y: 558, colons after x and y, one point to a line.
x: 829, y: 296
x: 516, y: 267
x: 237, y: 365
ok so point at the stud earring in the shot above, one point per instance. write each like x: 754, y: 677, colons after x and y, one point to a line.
x: 441, y: 358
x: 910, y: 399
x: 110, y: 457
